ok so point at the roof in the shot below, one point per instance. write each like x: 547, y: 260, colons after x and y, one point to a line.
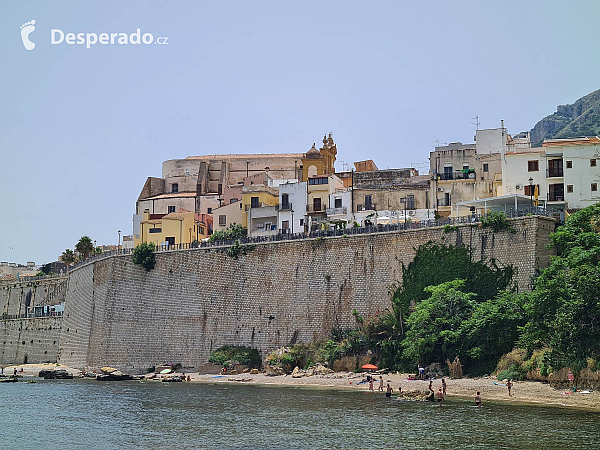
x: 568, y: 142
x: 177, y: 215
x: 527, y: 150
x: 171, y: 195
x: 313, y: 153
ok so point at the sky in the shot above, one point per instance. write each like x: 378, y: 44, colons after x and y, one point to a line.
x: 82, y: 128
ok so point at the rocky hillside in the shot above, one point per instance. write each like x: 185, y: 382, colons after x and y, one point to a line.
x: 582, y: 118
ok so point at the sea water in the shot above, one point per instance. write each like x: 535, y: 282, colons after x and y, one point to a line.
x: 142, y: 414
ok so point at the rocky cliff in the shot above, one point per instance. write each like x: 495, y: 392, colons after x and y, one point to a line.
x: 582, y: 118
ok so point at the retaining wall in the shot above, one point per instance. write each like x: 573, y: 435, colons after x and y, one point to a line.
x: 197, y: 300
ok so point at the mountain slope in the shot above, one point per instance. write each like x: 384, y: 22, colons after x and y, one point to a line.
x: 582, y: 118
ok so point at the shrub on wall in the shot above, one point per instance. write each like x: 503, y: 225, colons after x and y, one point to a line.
x: 497, y: 221
x: 143, y: 255
x: 244, y: 355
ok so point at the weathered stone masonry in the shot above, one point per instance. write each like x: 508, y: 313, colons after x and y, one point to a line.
x: 197, y: 300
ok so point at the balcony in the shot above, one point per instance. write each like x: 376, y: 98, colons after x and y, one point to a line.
x: 444, y: 202
x: 335, y: 211
x: 315, y: 209
x: 554, y: 172
x: 284, y: 207
x: 457, y: 175
x: 263, y: 211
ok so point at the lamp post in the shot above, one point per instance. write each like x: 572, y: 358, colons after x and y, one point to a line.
x: 292, y: 212
x: 119, y: 243
x: 531, y: 192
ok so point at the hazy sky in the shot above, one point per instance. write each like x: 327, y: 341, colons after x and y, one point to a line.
x: 81, y: 128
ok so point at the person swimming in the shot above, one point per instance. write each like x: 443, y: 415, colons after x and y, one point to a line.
x: 478, y: 399
x: 388, y: 392
x: 440, y: 396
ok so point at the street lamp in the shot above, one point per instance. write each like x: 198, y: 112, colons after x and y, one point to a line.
x: 530, y: 192
x: 119, y: 243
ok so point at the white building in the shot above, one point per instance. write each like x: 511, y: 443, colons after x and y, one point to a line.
x: 340, y: 208
x: 292, y: 207
x: 564, y: 171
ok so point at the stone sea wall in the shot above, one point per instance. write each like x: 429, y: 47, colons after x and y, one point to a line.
x: 29, y: 340
x: 195, y: 301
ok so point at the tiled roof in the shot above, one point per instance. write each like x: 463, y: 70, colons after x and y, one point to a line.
x: 171, y: 195
x: 574, y: 141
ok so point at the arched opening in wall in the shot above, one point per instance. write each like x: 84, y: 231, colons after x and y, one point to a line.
x: 312, y: 171
x: 25, y: 359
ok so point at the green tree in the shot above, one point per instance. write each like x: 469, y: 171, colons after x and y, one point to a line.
x: 434, y: 326
x: 85, y: 247
x: 563, y: 310
x: 232, y: 233
x: 143, y: 255
x: 68, y: 257
x: 491, y: 331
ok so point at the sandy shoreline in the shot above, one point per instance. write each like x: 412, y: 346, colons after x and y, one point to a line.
x: 524, y: 392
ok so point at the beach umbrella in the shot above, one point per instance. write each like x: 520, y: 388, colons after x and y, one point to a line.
x: 166, y: 371
x: 370, y: 367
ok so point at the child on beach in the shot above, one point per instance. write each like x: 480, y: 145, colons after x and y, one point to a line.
x: 381, y: 383
x: 478, y: 399
x: 440, y: 396
x: 509, y: 385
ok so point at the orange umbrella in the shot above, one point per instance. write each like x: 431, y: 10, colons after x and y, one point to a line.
x: 369, y: 366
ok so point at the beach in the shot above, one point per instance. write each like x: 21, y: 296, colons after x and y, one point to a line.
x: 524, y: 392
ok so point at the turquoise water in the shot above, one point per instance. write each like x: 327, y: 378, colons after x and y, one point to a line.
x: 88, y: 414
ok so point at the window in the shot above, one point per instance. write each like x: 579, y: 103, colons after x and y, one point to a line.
x: 447, y: 172
x: 209, y: 211
x: 317, y: 204
x: 410, y: 202
x: 285, y: 224
x: 254, y: 202
x: 569, y: 164
x: 569, y: 188
x: 170, y: 241
x: 486, y: 167
x: 301, y: 222
x: 592, y: 163
x: 313, y: 181
x: 533, y: 166
x: 175, y: 187
x: 594, y: 187
x: 233, y: 200
x: 155, y: 230
x: 368, y: 200
x: 222, y: 220
x: 171, y: 209
x: 530, y: 190
x: 220, y: 189
x: 285, y: 201
x: 338, y: 202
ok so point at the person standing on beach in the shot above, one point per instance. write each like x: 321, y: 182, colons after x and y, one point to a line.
x: 431, y: 385
x: 370, y: 383
x: 440, y: 396
x: 444, y: 386
x: 478, y: 399
x: 381, y: 383
x: 509, y: 386
x: 388, y: 392
x: 421, y: 372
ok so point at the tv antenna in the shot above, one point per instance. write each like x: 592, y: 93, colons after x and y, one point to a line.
x: 476, y: 123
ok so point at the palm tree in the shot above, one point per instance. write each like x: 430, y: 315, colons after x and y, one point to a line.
x: 68, y: 257
x: 85, y: 247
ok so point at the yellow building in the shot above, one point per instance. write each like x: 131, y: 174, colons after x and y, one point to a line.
x: 175, y: 228
x: 319, y: 162
x: 257, y: 196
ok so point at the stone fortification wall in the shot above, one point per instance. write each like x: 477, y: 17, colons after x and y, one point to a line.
x: 195, y: 301
x: 29, y: 340
x: 18, y: 296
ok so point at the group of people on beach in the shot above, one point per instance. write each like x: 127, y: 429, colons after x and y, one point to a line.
x: 388, y: 390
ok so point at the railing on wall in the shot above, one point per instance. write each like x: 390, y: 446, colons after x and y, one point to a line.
x: 31, y: 315
x: 410, y: 225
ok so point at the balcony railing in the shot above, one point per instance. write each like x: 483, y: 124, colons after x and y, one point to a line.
x: 313, y: 209
x: 554, y: 172
x: 457, y: 175
x: 335, y: 211
x: 284, y: 207
x: 444, y: 202
x: 556, y: 197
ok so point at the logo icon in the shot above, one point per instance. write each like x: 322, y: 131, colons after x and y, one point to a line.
x: 26, y: 30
